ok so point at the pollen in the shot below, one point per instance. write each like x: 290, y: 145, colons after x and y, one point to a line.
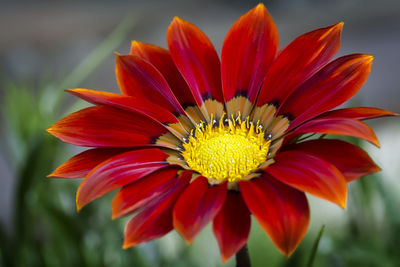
x: 226, y: 151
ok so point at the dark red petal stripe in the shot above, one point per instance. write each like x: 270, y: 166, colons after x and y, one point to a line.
x: 281, y: 210
x: 247, y: 52
x: 196, y: 58
x: 129, y: 103
x: 138, y: 194
x: 162, y: 60
x: 81, y: 164
x: 106, y: 127
x: 328, y: 88
x: 139, y: 78
x: 231, y: 226
x: 197, y: 206
x: 156, y: 220
x: 351, y: 161
x: 339, y: 126
x: 299, y: 61
x: 310, y: 174
x: 358, y: 113
x: 119, y: 171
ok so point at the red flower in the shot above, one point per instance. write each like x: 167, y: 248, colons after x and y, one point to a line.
x: 191, y: 140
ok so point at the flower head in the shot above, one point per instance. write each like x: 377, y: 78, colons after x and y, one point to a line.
x: 193, y: 139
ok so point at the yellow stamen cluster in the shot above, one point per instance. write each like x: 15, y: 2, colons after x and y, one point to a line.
x: 230, y: 150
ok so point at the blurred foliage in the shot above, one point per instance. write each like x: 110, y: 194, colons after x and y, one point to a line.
x: 47, y: 230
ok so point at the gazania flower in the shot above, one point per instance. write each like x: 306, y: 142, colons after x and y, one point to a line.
x: 194, y: 139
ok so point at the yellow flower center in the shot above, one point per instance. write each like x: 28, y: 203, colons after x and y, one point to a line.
x: 230, y: 150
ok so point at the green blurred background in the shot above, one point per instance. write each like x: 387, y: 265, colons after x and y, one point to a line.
x: 49, y: 46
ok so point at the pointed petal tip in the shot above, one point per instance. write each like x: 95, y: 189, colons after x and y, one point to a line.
x: 51, y: 130
x: 71, y: 90
x: 259, y: 10
x: 224, y: 258
x: 177, y: 20
x: 78, y: 202
x: 286, y: 252
x: 115, y: 213
x: 127, y: 245
x: 368, y: 58
x: 189, y: 241
x: 343, y: 203
x: 339, y: 25
x: 78, y: 208
x: 336, y: 28
x: 376, y: 143
x: 75, y: 91
x: 260, y: 7
x: 51, y: 175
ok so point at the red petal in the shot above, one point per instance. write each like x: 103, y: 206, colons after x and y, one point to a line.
x: 128, y: 103
x: 281, y: 210
x: 299, y: 61
x: 119, y: 171
x: 162, y: 60
x: 136, y: 195
x: 137, y: 77
x: 328, y: 88
x: 156, y: 220
x: 196, y: 58
x: 359, y: 113
x: 231, y: 226
x: 339, y: 126
x: 106, y: 127
x: 310, y: 174
x: 247, y: 52
x: 198, y: 205
x: 350, y: 160
x: 81, y: 164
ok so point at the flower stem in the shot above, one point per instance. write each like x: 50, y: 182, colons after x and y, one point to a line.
x: 242, y: 257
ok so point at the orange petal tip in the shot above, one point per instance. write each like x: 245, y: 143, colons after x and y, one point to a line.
x: 260, y: 6
x: 366, y: 59
x: 188, y: 240
x: 177, y: 19
x: 339, y: 25
x: 50, y: 130
x: 127, y: 245
x: 51, y: 175
x: 343, y: 203
x: 377, y: 144
x: 114, y: 215
x: 69, y: 90
x: 135, y: 43
x: 79, y: 206
x: 369, y: 58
